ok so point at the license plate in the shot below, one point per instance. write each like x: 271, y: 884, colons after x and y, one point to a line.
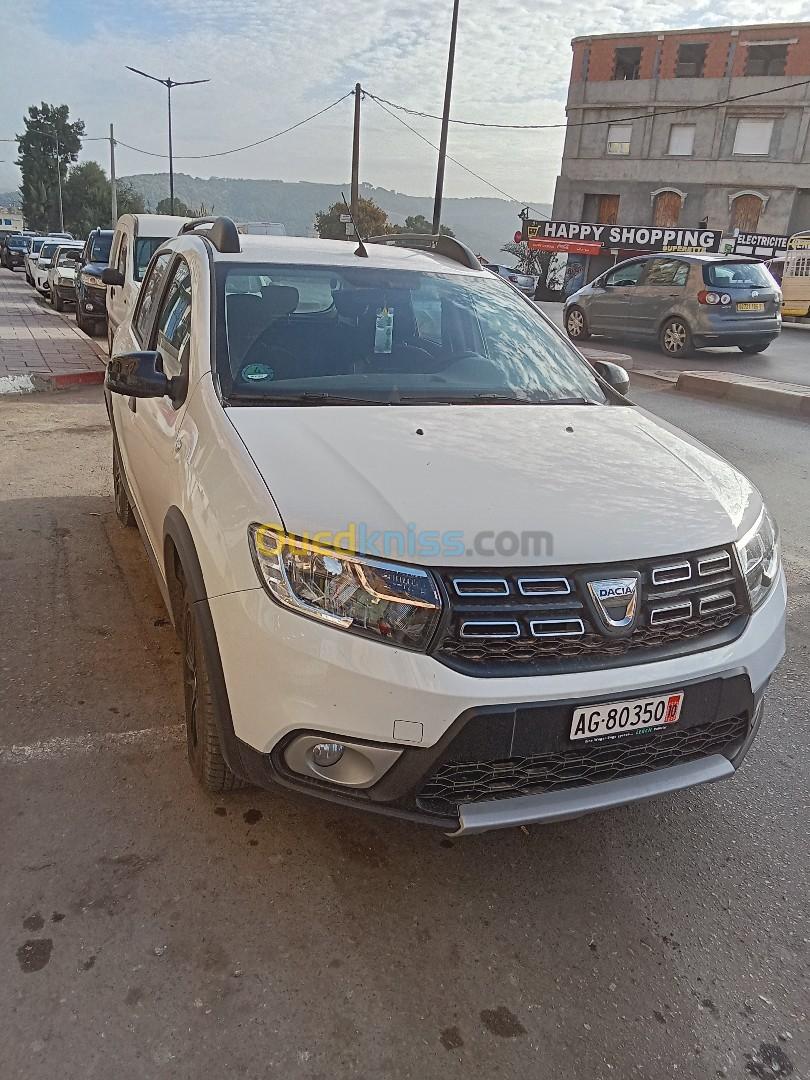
x: 750, y: 307
x: 626, y: 717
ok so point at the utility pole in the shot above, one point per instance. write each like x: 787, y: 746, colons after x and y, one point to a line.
x: 113, y: 188
x: 168, y: 83
x: 358, y: 93
x: 448, y: 93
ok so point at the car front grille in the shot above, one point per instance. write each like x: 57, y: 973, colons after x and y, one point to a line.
x: 458, y: 783
x: 519, y: 622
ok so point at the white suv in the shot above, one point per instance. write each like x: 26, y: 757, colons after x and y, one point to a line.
x: 423, y: 557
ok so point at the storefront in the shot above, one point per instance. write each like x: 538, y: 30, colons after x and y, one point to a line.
x: 581, y: 250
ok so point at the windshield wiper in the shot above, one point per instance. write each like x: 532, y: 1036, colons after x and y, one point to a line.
x: 307, y: 398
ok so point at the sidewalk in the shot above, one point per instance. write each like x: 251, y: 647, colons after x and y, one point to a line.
x: 40, y: 349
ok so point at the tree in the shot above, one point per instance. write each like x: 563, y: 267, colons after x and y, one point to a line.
x: 180, y: 208
x: 418, y: 223
x: 86, y: 199
x: 372, y: 220
x: 130, y: 201
x: 46, y: 126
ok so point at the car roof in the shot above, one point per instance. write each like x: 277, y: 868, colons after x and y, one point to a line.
x: 153, y: 225
x: 695, y: 256
x: 305, y: 251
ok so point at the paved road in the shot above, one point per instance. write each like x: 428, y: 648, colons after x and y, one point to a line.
x: 148, y: 931
x: 787, y: 360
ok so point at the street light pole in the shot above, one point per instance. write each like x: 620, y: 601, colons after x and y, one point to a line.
x: 448, y: 93
x: 168, y: 83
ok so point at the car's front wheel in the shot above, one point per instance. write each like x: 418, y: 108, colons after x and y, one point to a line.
x: 575, y: 325
x: 753, y: 347
x: 202, y: 737
x: 123, y: 510
x: 676, y: 338
x: 57, y: 301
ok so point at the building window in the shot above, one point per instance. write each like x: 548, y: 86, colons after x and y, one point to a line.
x: 766, y: 60
x: 681, y: 140
x: 753, y: 136
x: 618, y: 138
x: 627, y: 63
x: 667, y: 209
x: 745, y: 213
x: 601, y: 209
x: 691, y: 59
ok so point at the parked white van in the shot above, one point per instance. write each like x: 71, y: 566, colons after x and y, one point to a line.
x: 137, y: 237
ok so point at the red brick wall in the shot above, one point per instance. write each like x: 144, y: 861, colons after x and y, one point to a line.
x: 716, y: 53
x: 602, y: 52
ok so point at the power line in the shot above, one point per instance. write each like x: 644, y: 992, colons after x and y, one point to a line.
x: 247, y: 146
x: 455, y: 161
x: 591, y: 123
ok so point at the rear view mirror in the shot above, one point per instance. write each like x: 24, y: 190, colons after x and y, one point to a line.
x: 111, y: 276
x: 614, y: 375
x: 137, y: 374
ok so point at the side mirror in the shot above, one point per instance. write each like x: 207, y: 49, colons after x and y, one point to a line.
x: 614, y: 375
x: 111, y: 276
x: 138, y: 375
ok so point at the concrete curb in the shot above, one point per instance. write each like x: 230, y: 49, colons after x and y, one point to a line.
x: 791, y: 399
x: 608, y: 355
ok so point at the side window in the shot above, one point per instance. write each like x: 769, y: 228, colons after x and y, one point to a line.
x: 150, y: 294
x: 121, y: 260
x: 625, y: 275
x: 174, y: 320
x: 670, y: 272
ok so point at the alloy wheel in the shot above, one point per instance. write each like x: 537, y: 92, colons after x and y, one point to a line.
x: 675, y: 337
x: 575, y: 323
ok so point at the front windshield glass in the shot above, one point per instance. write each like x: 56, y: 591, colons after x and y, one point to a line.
x: 145, y: 248
x: 100, y: 252
x: 36, y: 245
x: 16, y: 243
x: 47, y: 250
x: 299, y: 333
x: 68, y: 257
x: 727, y: 275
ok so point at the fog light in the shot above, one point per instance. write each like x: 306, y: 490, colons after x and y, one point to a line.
x: 326, y: 754
x: 88, y: 307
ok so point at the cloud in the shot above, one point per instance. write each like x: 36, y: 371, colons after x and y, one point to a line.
x: 272, y: 62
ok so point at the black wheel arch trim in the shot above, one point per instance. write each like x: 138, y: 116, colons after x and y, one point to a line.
x: 177, y: 534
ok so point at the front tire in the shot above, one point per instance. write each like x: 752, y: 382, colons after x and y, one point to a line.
x: 123, y: 510
x: 675, y: 338
x: 57, y: 301
x: 205, y: 755
x: 575, y: 325
x: 754, y: 347
x: 80, y: 323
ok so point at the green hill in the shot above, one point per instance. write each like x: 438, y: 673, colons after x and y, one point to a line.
x: 483, y: 223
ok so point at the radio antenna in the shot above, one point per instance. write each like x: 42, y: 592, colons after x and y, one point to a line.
x: 361, y: 252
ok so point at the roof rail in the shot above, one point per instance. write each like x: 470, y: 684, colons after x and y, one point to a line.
x: 447, y: 246
x: 222, y: 232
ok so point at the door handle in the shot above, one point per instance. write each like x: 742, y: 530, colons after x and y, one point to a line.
x: 133, y: 404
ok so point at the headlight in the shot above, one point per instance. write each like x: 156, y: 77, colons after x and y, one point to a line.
x: 758, y: 552
x: 380, y: 600
x: 91, y: 279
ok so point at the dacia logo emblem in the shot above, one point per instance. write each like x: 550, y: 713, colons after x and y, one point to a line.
x: 615, y: 600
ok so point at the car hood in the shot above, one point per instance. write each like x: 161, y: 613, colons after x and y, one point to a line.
x: 96, y: 268
x: 541, y: 485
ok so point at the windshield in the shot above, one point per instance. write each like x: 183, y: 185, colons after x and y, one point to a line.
x: 68, y: 257
x: 36, y: 244
x: 47, y: 250
x: 145, y: 248
x: 727, y: 275
x: 310, y: 333
x: 16, y: 243
x: 100, y: 251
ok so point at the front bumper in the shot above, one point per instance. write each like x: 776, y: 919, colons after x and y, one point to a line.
x: 93, y: 302
x: 336, y: 685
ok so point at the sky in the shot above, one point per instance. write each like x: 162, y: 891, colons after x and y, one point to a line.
x: 273, y: 62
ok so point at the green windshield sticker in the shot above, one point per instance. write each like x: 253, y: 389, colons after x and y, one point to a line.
x: 257, y: 372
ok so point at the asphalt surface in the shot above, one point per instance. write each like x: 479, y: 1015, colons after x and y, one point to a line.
x: 149, y: 931
x: 787, y: 359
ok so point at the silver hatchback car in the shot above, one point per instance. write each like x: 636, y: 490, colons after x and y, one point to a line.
x: 684, y: 302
